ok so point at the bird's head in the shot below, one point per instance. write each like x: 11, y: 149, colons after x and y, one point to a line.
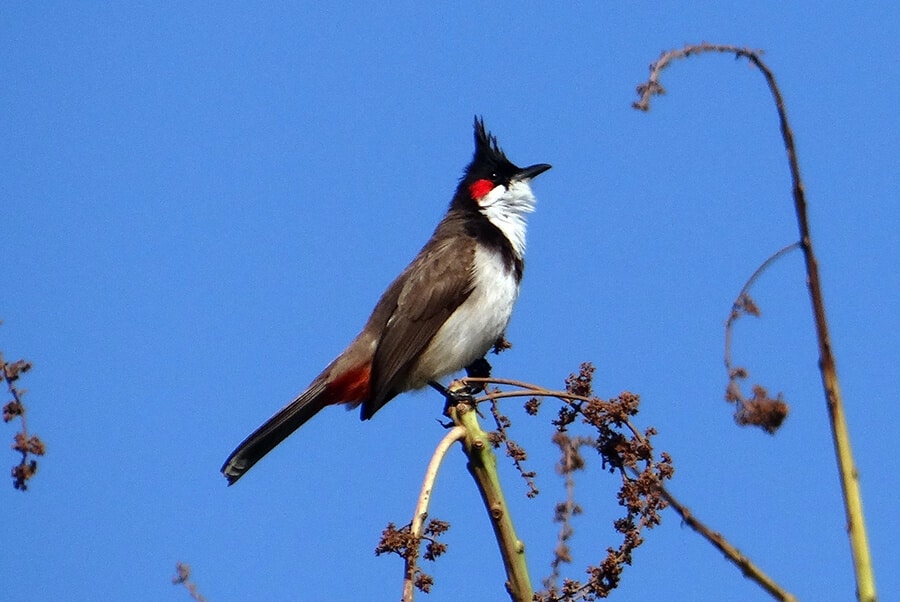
x: 497, y: 188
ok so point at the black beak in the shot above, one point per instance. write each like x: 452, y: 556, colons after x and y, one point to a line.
x: 529, y: 173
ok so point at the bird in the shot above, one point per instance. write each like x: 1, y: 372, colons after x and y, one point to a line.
x: 442, y: 314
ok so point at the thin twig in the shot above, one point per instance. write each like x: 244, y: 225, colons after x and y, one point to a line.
x: 421, y: 513
x: 760, y: 410
x: 652, y: 87
x: 530, y: 390
x: 570, y: 461
x: 513, y: 449
x: 749, y: 569
x: 183, y: 577
x: 27, y: 445
x: 745, y: 291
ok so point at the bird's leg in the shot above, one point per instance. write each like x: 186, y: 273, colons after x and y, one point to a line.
x: 480, y: 368
x: 456, y: 395
x: 453, y: 396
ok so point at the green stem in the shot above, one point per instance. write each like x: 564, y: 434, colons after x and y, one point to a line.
x: 856, y: 523
x: 483, y: 468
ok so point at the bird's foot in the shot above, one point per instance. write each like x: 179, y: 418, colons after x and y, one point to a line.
x: 455, y: 394
x: 458, y: 393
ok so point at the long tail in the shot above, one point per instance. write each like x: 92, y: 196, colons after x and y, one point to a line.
x: 350, y: 387
x: 272, y: 432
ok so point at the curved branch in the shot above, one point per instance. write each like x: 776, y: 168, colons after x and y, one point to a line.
x: 856, y: 526
x: 530, y: 390
x: 457, y: 433
x: 738, y: 304
x: 760, y: 411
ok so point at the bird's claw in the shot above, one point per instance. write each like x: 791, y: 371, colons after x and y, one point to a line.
x: 456, y: 394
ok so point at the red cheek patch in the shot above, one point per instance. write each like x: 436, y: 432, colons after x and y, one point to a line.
x: 479, y: 188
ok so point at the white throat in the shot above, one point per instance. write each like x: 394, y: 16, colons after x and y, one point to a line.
x: 506, y: 208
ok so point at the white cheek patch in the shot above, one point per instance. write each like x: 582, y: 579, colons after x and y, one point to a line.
x: 506, y: 208
x: 492, y: 197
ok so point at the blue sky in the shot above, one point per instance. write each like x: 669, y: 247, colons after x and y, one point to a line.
x: 202, y: 202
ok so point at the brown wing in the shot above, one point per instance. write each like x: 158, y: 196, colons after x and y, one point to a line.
x: 433, y: 286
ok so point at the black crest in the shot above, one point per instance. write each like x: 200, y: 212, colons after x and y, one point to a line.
x: 489, y: 162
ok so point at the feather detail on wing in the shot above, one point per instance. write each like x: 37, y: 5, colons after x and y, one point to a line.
x: 436, y: 284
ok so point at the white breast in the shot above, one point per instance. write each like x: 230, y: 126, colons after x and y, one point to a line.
x: 471, y: 331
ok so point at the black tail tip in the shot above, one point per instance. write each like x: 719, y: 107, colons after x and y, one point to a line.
x: 232, y: 471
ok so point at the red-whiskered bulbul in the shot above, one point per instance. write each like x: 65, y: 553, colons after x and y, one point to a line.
x: 443, y: 313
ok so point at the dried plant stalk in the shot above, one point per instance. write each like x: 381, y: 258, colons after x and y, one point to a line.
x: 856, y: 526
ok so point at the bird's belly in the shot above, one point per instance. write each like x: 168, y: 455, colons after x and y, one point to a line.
x: 471, y: 331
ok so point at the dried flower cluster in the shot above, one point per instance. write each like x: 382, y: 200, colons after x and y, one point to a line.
x: 406, y: 545
x: 570, y: 460
x: 759, y: 410
x: 624, y: 451
x: 27, y: 445
x: 183, y: 577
